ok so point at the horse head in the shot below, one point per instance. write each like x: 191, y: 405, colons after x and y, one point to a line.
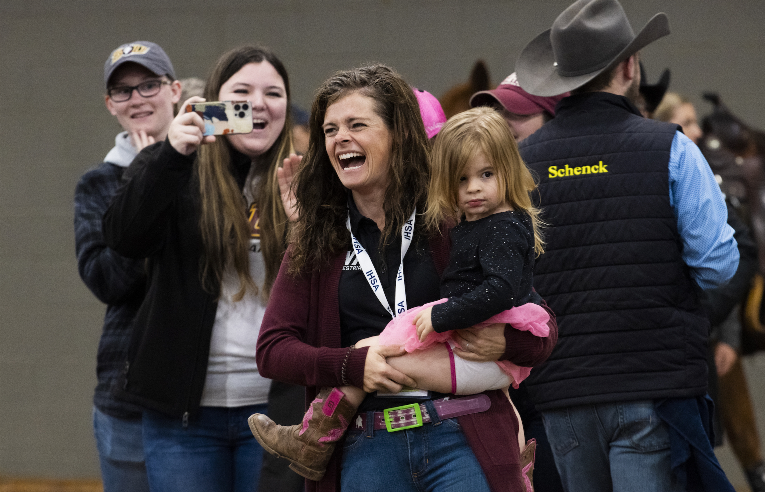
x: 457, y: 98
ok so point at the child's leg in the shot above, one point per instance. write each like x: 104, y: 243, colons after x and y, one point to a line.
x: 309, y: 445
x: 431, y: 368
x: 438, y: 369
x: 353, y: 395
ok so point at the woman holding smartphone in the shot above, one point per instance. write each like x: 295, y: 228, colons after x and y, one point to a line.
x: 207, y: 215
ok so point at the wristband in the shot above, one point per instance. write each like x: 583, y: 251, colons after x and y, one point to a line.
x: 345, y: 364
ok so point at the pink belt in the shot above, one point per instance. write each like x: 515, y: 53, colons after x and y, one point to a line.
x: 416, y: 414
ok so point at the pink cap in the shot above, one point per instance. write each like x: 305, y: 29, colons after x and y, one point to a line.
x: 430, y: 109
x: 514, y: 99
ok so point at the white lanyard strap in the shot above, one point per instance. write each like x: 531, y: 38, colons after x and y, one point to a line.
x: 407, y: 231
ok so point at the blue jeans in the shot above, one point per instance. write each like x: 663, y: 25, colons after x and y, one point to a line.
x: 620, y: 447
x: 120, y: 453
x: 214, y: 453
x: 427, y: 458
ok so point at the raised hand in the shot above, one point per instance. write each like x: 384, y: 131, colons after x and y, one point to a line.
x: 284, y: 175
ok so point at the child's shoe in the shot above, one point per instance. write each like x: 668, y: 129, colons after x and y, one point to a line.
x: 308, y: 446
x: 527, y: 464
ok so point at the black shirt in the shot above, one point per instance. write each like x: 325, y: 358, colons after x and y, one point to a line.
x: 361, y: 314
x: 490, y: 270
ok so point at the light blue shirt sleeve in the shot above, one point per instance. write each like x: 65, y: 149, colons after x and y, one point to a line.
x: 702, y: 218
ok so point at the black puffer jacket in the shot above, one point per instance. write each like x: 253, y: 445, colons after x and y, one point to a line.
x: 630, y: 324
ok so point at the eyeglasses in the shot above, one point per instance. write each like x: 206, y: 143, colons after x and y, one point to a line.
x: 150, y: 88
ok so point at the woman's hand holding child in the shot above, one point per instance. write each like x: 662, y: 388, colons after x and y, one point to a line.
x: 481, y: 345
x: 379, y: 375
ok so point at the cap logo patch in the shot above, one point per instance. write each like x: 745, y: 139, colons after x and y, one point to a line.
x: 129, y: 50
x: 511, y: 80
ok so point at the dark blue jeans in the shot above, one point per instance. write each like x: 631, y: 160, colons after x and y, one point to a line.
x: 427, y: 458
x: 214, y: 453
x: 621, y: 447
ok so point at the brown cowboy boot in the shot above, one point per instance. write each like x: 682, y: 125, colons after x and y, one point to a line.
x: 527, y: 464
x: 308, y: 446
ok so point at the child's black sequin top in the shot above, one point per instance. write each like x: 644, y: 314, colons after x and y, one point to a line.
x: 490, y: 270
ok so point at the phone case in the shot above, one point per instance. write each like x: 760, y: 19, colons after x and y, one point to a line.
x: 224, y: 117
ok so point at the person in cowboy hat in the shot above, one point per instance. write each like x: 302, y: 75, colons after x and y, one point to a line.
x: 637, y: 225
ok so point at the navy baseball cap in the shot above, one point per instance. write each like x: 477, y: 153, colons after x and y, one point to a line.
x: 144, y: 53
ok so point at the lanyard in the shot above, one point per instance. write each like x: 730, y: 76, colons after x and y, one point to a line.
x: 371, y: 274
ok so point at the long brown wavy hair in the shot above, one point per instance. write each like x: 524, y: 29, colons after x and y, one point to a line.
x: 224, y: 224
x: 322, y: 199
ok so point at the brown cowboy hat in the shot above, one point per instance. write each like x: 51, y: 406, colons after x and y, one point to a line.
x: 588, y: 38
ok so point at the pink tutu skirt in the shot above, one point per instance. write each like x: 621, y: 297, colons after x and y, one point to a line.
x: 528, y: 317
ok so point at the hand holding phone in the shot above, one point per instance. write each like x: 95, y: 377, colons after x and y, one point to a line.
x: 223, y: 117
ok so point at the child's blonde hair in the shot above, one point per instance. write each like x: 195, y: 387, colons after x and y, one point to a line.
x: 464, y: 135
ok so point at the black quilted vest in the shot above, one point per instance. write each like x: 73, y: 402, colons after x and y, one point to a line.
x: 630, y: 325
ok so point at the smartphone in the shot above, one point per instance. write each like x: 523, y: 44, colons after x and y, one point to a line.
x: 224, y: 117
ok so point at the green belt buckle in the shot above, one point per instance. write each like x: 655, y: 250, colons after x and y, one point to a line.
x: 389, y: 419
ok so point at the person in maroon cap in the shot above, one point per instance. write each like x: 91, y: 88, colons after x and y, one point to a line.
x: 523, y: 112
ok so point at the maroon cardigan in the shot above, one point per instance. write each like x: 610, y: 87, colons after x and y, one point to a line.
x: 299, y: 343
